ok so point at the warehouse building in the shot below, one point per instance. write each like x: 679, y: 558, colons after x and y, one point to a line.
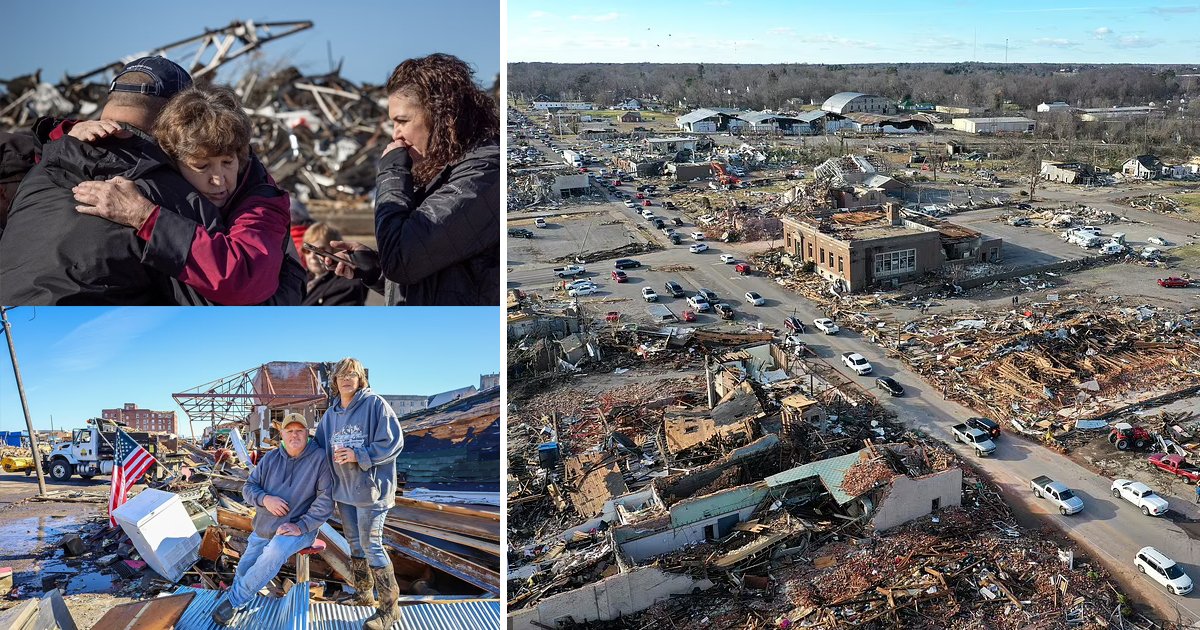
x: 1004, y: 124
x: 847, y: 102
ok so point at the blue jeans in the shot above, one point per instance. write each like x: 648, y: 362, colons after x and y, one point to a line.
x: 261, y: 562
x: 363, y: 529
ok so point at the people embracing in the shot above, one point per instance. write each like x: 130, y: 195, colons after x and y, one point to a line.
x: 362, y: 438
x: 437, y: 199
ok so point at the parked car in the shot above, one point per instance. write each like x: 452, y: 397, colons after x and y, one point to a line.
x: 647, y: 203
x: 649, y: 295
x: 539, y: 222
x: 619, y: 275
x: 1163, y: 570
x: 581, y: 283
x: 1158, y: 240
x: 674, y: 288
x: 584, y: 290
x: 678, y: 222
x: 697, y: 236
x: 520, y: 233
x: 889, y: 385
x: 698, y: 303
x: 1141, y: 496
x: 659, y: 223
x: 689, y: 315
x: 724, y: 310
x: 630, y: 204
x: 754, y: 298
x: 708, y: 294
x: 697, y: 248
x: 675, y: 239
x: 626, y: 263
x: 793, y: 324
x: 1112, y: 248
x: 826, y: 326
x: 728, y: 259
x: 640, y: 196
x: 1173, y: 283
x: 856, y: 362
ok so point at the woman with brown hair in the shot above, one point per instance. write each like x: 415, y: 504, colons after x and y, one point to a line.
x: 240, y: 254
x: 437, y: 198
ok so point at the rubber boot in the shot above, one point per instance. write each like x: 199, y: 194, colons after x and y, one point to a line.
x: 363, y: 583
x: 386, y: 612
x: 223, y: 614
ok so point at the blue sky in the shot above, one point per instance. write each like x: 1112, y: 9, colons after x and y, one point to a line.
x: 77, y: 361
x: 867, y: 31
x: 373, y: 36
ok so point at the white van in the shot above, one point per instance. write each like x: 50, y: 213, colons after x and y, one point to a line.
x: 1112, y: 248
x: 1088, y: 241
x: 1163, y: 570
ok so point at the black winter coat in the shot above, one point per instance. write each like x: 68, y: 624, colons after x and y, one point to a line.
x: 440, y: 245
x: 329, y: 289
x: 50, y: 254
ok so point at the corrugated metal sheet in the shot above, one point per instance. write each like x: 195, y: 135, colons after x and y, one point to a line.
x: 468, y: 615
x: 295, y: 612
x: 264, y: 613
x: 831, y: 471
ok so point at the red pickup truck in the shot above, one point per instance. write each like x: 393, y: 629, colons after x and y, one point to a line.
x: 1176, y: 465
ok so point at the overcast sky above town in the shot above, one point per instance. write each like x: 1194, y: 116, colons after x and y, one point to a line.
x: 373, y: 36
x: 868, y: 31
x: 78, y: 361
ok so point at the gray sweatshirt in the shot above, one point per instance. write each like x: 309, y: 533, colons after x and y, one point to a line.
x: 304, y: 481
x: 371, y: 429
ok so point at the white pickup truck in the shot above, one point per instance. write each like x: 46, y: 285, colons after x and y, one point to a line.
x: 1058, y: 494
x: 975, y: 438
x: 1140, y: 495
x: 570, y: 271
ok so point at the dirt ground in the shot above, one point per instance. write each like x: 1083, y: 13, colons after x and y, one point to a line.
x: 29, y: 534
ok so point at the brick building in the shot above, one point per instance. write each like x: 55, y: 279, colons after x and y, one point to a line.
x: 872, y: 247
x: 143, y: 419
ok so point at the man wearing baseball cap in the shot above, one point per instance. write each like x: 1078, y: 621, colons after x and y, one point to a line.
x: 291, y: 489
x: 51, y: 254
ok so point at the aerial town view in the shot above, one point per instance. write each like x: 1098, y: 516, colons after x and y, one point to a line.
x: 877, y: 316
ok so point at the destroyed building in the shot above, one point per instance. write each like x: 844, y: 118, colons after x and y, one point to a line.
x: 1068, y: 172
x: 865, y: 248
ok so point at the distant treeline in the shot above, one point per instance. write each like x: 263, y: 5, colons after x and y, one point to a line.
x: 772, y: 86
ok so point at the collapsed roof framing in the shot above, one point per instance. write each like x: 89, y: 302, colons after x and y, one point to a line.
x: 233, y: 398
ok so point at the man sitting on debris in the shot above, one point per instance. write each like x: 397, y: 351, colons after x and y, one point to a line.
x: 292, y: 490
x: 56, y: 251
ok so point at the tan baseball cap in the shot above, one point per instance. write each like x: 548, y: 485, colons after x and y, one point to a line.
x: 294, y: 418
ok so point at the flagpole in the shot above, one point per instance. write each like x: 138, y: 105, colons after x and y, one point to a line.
x: 33, y: 441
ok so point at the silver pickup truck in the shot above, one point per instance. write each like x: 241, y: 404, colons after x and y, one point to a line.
x: 974, y: 438
x: 1058, y: 494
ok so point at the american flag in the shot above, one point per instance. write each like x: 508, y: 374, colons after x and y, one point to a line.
x: 132, y: 461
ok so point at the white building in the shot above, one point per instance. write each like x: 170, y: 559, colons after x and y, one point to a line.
x: 846, y: 102
x: 1056, y: 106
x: 1005, y: 124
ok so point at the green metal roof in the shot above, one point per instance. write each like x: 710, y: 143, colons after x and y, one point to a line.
x: 831, y: 471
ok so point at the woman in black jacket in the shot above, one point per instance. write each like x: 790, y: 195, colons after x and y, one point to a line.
x: 437, y: 199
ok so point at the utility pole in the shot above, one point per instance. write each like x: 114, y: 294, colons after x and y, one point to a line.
x: 1033, y: 174
x: 33, y: 441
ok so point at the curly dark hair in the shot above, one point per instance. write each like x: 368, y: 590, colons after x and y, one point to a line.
x: 461, y: 115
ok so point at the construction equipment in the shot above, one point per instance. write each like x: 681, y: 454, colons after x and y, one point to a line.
x: 723, y: 176
x: 1124, y: 435
x: 12, y: 464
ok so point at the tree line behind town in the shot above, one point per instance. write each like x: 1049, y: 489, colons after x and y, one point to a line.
x: 782, y: 87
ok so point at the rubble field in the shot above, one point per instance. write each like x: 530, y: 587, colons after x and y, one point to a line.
x: 709, y: 478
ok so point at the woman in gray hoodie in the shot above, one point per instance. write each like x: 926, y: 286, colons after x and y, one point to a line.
x: 362, y: 436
